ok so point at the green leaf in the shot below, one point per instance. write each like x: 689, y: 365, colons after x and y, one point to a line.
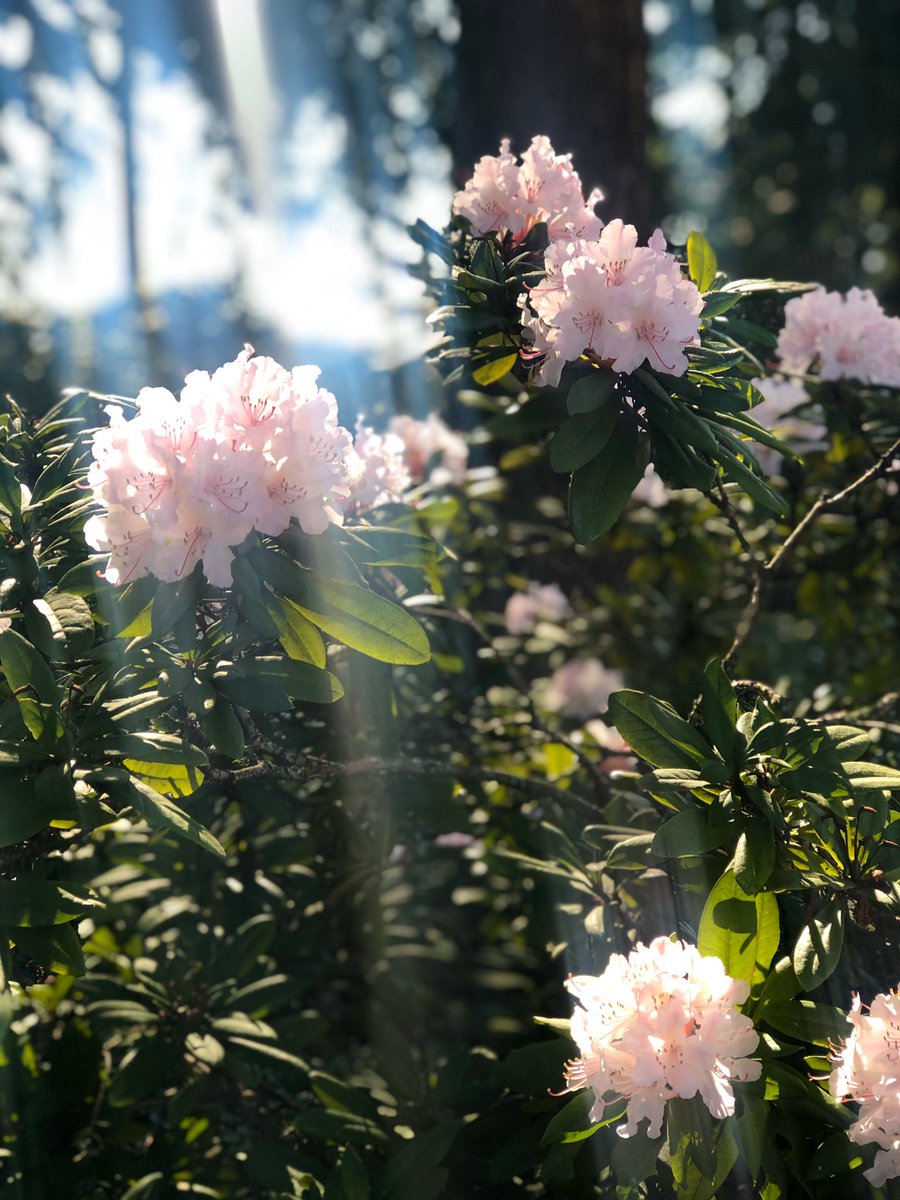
x: 56, y: 947
x: 157, y: 810
x: 720, y: 709
x: 494, y: 370
x: 142, y: 1072
x: 582, y: 437
x: 148, y: 1187
x: 222, y: 729
x: 655, y: 732
x: 34, y: 686
x: 601, y: 488
x: 25, y: 808
x: 750, y: 483
x: 701, y: 261
x: 588, y: 394
x: 70, y: 621
x: 819, y: 1024
x: 573, y: 1124
x: 353, y: 614
x: 743, y: 931
x: 754, y: 856
x: 151, y: 747
x: 818, y: 948
x: 837, y: 1155
x: 244, y: 682
x: 873, y: 775
x: 29, y: 901
x: 532, y: 1070
x: 689, y: 833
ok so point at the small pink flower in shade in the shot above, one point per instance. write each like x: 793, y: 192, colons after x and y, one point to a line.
x: 660, y: 1024
x: 622, y: 303
x: 776, y: 413
x: 542, y: 602
x: 503, y: 196
x: 842, y: 336
x: 431, y: 448
x: 866, y: 1068
x: 581, y: 688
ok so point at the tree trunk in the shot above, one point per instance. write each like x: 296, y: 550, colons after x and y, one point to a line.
x: 573, y: 69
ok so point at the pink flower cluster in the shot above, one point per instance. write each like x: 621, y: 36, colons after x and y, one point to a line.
x: 431, y: 448
x: 504, y: 195
x: 378, y: 471
x: 581, y: 688
x: 661, y: 1023
x: 249, y: 447
x: 542, y: 602
x: 621, y: 302
x: 867, y: 1069
x: 845, y: 337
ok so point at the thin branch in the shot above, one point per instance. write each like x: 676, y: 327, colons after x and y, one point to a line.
x: 305, y: 768
x: 768, y: 570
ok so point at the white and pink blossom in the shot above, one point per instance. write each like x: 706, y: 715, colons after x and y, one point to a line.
x: 581, y: 688
x: 251, y: 446
x: 841, y: 336
x: 505, y: 196
x: 378, y: 473
x: 776, y: 413
x: 866, y: 1068
x: 541, y: 602
x: 660, y: 1024
x: 621, y: 303
x: 431, y: 448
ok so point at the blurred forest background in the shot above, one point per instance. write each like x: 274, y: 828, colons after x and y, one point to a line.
x: 179, y: 178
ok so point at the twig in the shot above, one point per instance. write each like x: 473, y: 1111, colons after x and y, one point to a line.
x: 768, y: 569
x: 304, y: 769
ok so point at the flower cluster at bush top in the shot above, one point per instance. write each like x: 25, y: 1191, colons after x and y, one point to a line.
x: 581, y: 688
x: 431, y: 448
x: 184, y: 481
x: 621, y: 302
x: 656, y: 1025
x: 504, y: 195
x: 867, y: 1069
x: 845, y: 337
x: 542, y: 602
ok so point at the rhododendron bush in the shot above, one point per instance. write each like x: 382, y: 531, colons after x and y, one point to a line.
x: 490, y: 803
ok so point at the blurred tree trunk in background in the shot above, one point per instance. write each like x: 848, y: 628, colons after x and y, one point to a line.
x: 573, y: 69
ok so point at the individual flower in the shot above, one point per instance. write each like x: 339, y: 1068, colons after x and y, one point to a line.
x: 844, y: 337
x: 660, y: 1024
x: 541, y: 602
x: 378, y: 474
x: 251, y: 446
x: 431, y: 448
x: 776, y: 413
x: 622, y: 303
x: 504, y: 196
x: 650, y: 489
x: 866, y: 1068
x: 581, y: 688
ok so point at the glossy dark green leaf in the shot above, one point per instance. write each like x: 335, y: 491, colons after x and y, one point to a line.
x: 30, y: 901
x: 33, y: 685
x: 158, y: 811
x: 588, y: 394
x: 56, y: 947
x: 817, y: 951
x: 689, y: 833
x: 655, y: 732
x: 819, y: 1024
x: 754, y: 856
x: 599, y: 491
x: 582, y: 437
x: 720, y: 709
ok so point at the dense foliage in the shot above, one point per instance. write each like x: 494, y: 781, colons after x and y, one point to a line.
x: 292, y: 865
